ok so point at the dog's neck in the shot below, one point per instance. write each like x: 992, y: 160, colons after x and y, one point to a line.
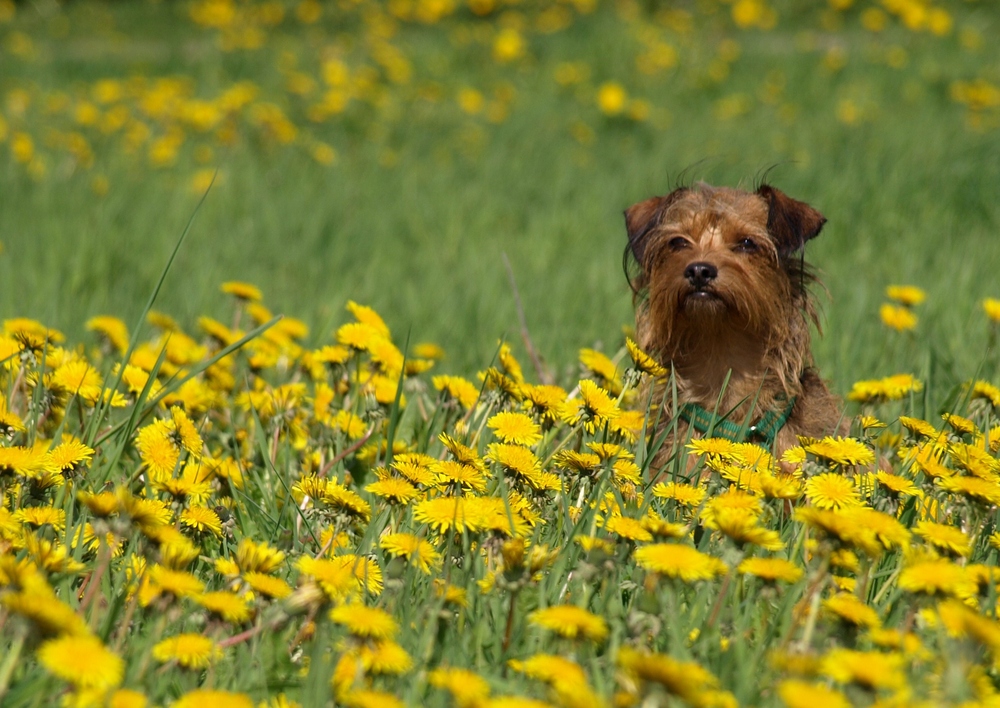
x: 705, y: 361
x: 726, y: 367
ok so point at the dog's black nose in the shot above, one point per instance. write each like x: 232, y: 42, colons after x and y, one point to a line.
x: 701, y: 274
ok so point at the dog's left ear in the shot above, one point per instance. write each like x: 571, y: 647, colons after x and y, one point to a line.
x: 642, y: 217
x: 790, y: 222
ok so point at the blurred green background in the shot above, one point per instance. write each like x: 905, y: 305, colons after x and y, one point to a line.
x: 395, y: 152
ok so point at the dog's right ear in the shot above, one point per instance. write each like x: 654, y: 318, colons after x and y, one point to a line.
x: 641, y: 218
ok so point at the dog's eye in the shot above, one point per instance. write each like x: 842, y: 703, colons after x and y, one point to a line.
x: 677, y: 243
x: 746, y: 245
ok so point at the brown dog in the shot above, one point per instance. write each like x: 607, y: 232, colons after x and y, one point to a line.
x: 722, y: 299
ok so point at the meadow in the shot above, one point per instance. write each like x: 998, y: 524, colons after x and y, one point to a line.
x: 344, y: 480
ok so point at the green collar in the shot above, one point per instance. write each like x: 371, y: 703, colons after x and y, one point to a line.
x: 712, y: 424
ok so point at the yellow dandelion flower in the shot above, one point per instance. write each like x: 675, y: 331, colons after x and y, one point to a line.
x: 600, y: 366
x: 468, y: 689
x: 101, y: 504
x: 192, y: 651
x: 661, y: 528
x: 580, y: 461
x: 907, y: 295
x: 897, y: 485
x: 458, y: 476
x: 713, y: 446
x: 832, y: 490
x: 937, y: 576
x: 897, y: 317
x: 444, y: 514
x: 594, y: 409
x: 201, y: 518
x: 571, y: 621
x: 229, y: 606
x: 82, y: 660
x: 987, y: 391
x: 25, y: 462
x: 70, y: 456
x: 344, y: 575
x: 871, y: 669
x: 771, y: 569
x: 413, y: 549
x: 516, y: 428
x: 165, y: 581
x: 267, y: 585
x: 127, y: 698
x: 397, y: 491
x: 78, y: 378
x: 343, y: 499
x: 461, y: 390
x: 157, y: 448
x: 368, y: 316
x: 643, y: 361
x: 242, y: 291
x: 112, y: 329
x: 358, y: 336
x: 802, y: 694
x: 385, y: 657
x: 38, y: 602
x: 364, y: 621
x: 780, y: 486
x: 683, y: 494
x: 545, y: 401
x: 553, y: 670
x: 685, y: 679
x: 252, y: 556
x: 612, y: 98
x: 842, y: 451
x: 207, y: 698
x: 947, y: 538
x: 415, y: 471
x: 991, y: 306
x: 39, y: 516
x: 972, y: 487
x: 850, y: 609
x: 679, y: 561
x: 463, y: 453
x: 627, y: 528
x: 185, y: 432
x: 742, y: 527
x: 519, y: 460
x: 891, y: 388
x: 365, y: 697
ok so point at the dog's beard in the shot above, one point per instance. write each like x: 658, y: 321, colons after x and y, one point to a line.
x: 699, y: 303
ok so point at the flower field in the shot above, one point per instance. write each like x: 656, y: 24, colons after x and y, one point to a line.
x: 209, y: 502
x: 232, y: 517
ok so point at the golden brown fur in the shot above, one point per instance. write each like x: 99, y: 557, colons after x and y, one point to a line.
x: 722, y: 292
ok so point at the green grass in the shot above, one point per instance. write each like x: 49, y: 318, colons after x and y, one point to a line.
x: 416, y: 219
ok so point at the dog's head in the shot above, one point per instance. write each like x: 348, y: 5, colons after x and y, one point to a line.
x: 717, y: 259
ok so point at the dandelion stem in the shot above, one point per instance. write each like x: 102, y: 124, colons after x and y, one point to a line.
x: 10, y: 661
x: 525, y: 336
x: 509, y: 629
x: 347, y: 451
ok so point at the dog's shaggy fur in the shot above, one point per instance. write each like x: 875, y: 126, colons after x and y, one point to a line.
x: 722, y: 299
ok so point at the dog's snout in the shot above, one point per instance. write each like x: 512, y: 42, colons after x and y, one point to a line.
x: 701, y: 274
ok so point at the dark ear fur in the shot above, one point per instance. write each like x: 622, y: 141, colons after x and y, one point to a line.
x: 790, y: 222
x: 641, y: 218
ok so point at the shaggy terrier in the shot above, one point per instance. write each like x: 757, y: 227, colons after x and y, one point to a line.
x: 722, y: 300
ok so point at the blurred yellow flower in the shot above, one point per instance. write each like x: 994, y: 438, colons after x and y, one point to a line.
x: 897, y: 317
x: 509, y: 45
x: 612, y: 98
x: 992, y: 308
